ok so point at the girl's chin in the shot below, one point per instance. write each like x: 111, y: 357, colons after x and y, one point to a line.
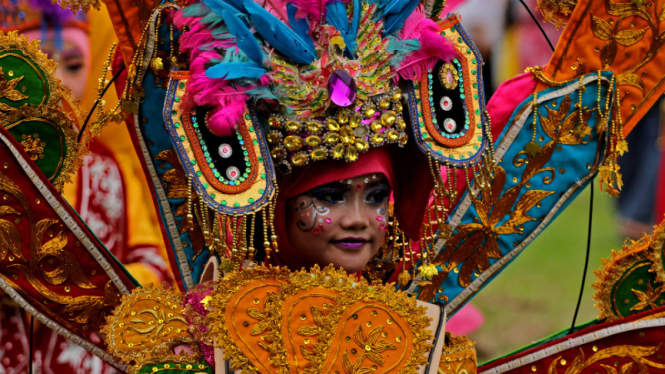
x: 351, y: 263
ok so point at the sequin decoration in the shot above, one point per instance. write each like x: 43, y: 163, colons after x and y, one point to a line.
x: 446, y: 104
x: 450, y: 125
x: 233, y: 173
x: 225, y: 151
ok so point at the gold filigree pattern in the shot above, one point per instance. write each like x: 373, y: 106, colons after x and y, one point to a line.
x: 458, y: 355
x: 8, y: 90
x: 81, y: 309
x: 71, y: 151
x: 633, y: 352
x: 146, y: 326
x: 648, y: 298
x: 372, y: 349
x: 556, y: 12
x: 33, y: 146
x: 619, y: 32
x: 656, y: 253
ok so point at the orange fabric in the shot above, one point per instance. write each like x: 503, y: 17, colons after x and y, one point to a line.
x: 129, y: 17
x: 616, y: 36
x: 252, y: 296
x: 298, y: 309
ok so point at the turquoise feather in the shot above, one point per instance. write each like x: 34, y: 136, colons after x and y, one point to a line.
x: 235, y: 70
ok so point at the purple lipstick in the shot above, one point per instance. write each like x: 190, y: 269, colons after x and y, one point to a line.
x: 351, y: 243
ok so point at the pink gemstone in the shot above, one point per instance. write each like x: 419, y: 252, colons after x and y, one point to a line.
x: 328, y: 220
x: 382, y: 226
x: 342, y: 88
x: 449, y: 76
x: 322, y: 228
x: 379, y: 218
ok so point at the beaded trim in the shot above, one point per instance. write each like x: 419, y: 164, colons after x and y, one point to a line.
x: 455, y: 151
x: 232, y: 197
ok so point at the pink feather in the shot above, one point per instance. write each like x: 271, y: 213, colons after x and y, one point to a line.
x: 222, y: 121
x: 277, y: 8
x: 412, y: 23
x: 433, y: 47
x: 313, y: 10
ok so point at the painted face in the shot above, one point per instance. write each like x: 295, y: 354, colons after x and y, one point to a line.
x: 341, y: 223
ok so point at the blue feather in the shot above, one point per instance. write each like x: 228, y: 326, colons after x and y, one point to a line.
x: 336, y: 16
x: 238, y: 4
x: 299, y: 25
x: 393, y: 22
x: 355, y: 23
x: 279, y: 35
x: 235, y: 70
x: 244, y: 38
x: 392, y: 6
x: 219, y: 6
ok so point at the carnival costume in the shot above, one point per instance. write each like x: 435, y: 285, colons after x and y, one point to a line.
x: 234, y: 107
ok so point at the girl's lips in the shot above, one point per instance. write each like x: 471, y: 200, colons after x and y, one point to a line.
x: 351, y: 243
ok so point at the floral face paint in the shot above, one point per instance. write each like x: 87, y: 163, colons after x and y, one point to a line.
x: 339, y: 222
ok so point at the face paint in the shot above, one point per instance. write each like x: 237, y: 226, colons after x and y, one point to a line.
x: 354, y: 213
x: 307, y: 212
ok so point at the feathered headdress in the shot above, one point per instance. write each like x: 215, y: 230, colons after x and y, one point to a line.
x: 310, y: 62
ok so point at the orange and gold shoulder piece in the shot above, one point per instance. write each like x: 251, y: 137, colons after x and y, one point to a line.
x: 317, y: 321
x: 146, y: 326
x: 631, y: 281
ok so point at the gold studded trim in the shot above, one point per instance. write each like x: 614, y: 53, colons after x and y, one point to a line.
x: 146, y: 326
x: 72, y: 159
x: 656, y: 254
x: 611, y: 271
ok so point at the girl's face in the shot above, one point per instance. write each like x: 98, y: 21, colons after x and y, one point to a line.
x: 73, y: 61
x: 341, y: 223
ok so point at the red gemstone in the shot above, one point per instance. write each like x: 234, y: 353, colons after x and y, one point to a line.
x: 342, y: 88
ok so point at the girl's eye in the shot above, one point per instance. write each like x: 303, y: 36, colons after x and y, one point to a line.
x: 330, y: 197
x: 377, y: 196
x: 330, y: 194
x: 74, y: 67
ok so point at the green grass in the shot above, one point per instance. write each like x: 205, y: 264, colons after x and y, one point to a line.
x: 536, y: 294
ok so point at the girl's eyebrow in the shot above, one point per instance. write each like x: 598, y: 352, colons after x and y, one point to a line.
x: 75, y: 52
